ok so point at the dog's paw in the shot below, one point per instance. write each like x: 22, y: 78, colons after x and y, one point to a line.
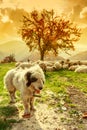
x: 12, y: 102
x: 26, y: 115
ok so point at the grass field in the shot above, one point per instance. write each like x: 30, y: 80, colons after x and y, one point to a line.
x: 56, y: 82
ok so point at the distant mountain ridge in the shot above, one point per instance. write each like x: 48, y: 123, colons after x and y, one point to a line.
x: 18, y: 48
x: 79, y: 56
x: 21, y: 51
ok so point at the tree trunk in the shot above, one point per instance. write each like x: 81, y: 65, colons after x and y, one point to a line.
x: 41, y: 51
x: 41, y: 55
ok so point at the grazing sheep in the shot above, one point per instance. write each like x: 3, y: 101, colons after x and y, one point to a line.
x: 43, y: 66
x: 24, y: 65
x: 57, y: 65
x: 65, y: 66
x: 83, y: 62
x: 74, y: 62
x: 82, y: 69
x: 50, y: 69
x: 49, y: 63
x: 67, y: 61
x: 62, y: 62
x: 73, y: 67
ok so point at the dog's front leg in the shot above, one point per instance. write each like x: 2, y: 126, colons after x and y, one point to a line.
x: 12, y: 96
x: 26, y: 103
x: 32, y: 104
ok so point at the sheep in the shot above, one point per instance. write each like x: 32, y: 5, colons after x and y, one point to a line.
x: 67, y: 61
x: 24, y: 65
x: 83, y: 62
x: 49, y: 63
x: 74, y: 62
x: 82, y: 69
x: 61, y: 62
x: 50, y: 68
x: 43, y: 66
x: 65, y: 66
x: 73, y: 67
x: 57, y: 65
x: 46, y: 65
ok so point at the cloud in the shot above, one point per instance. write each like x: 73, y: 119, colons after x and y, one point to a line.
x: 83, y: 13
x: 5, y: 19
x: 79, y: 9
x: 76, y: 12
x: 77, y: 2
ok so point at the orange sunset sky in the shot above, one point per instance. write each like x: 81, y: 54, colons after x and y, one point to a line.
x: 10, y: 11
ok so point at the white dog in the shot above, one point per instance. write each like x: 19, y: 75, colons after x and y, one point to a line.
x: 28, y: 82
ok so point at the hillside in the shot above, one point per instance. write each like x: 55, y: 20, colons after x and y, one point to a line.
x: 21, y: 52
x: 79, y: 56
x: 18, y: 48
x: 33, y: 56
x: 2, y: 54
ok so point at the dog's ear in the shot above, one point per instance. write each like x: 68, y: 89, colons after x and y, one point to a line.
x: 28, y: 77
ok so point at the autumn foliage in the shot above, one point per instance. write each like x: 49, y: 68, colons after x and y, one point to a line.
x: 45, y: 31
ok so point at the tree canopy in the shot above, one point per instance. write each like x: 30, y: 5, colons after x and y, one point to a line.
x: 45, y: 31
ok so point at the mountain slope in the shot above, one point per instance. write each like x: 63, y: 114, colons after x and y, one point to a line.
x: 21, y: 52
x: 18, y: 48
x: 80, y: 56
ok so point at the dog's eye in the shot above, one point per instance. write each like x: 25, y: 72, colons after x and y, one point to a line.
x: 33, y: 79
x: 43, y: 82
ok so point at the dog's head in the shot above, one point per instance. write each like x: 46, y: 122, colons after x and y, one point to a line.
x: 35, y: 80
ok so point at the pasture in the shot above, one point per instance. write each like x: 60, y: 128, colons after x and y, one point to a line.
x: 65, y: 92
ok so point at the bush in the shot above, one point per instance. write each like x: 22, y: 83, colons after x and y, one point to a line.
x: 8, y: 59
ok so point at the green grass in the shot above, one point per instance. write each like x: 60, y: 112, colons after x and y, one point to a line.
x: 3, y: 69
x: 6, y: 124
x: 6, y: 111
x: 60, y: 80
x: 57, y: 82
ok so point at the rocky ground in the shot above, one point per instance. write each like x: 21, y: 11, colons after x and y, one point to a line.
x: 53, y: 118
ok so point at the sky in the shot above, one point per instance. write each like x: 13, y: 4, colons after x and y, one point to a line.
x: 76, y: 10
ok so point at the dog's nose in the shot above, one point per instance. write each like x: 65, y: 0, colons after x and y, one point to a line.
x: 40, y: 88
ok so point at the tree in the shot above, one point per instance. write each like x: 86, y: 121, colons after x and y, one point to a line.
x: 45, y: 31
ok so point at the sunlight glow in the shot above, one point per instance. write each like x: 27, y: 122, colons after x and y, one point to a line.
x: 5, y: 19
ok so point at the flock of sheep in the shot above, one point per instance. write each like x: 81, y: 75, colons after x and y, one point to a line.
x: 77, y: 66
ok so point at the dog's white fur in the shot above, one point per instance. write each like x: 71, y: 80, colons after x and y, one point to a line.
x: 27, y: 81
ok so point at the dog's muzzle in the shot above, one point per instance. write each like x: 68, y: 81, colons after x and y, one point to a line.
x: 37, y: 90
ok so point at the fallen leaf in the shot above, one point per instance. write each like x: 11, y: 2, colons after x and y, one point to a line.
x: 84, y: 115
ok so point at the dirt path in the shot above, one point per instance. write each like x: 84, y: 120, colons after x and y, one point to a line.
x: 80, y: 100
x: 45, y: 118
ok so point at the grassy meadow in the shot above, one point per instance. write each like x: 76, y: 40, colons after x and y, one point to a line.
x: 56, y: 87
